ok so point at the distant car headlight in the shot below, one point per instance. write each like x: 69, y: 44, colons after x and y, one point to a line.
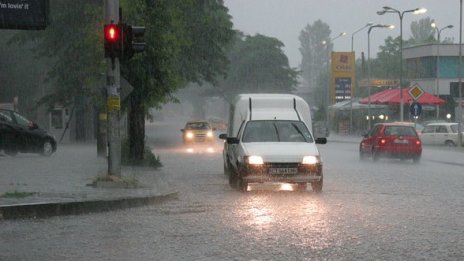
x: 255, y: 160
x: 209, y: 134
x: 189, y: 135
x: 311, y: 160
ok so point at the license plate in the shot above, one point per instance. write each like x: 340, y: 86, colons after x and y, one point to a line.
x: 282, y: 171
x: 401, y: 141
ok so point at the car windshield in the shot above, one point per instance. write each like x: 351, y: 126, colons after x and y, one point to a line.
x: 5, y: 116
x: 399, y: 131
x: 197, y: 126
x: 276, y: 131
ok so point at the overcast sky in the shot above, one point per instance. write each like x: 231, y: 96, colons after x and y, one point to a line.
x: 284, y: 19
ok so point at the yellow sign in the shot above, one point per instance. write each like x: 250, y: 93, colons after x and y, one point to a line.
x: 343, y: 76
x: 416, y: 91
x: 380, y: 82
x: 113, y: 103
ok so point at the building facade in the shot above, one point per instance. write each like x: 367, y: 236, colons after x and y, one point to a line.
x: 435, y: 67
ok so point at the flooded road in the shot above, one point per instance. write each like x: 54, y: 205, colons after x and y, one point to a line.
x: 388, y: 210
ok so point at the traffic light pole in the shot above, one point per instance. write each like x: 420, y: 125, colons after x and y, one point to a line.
x: 113, y: 100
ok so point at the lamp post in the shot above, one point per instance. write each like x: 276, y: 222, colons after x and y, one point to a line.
x: 437, y: 67
x: 460, y: 77
x: 387, y: 9
x: 352, y: 50
x: 328, y: 89
x: 352, y: 35
x: 389, y: 26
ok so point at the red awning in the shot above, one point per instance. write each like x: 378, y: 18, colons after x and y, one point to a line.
x: 392, y: 97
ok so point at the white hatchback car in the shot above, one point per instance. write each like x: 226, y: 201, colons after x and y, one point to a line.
x: 443, y: 133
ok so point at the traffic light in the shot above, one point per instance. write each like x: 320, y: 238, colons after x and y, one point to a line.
x: 133, y: 40
x: 112, y: 36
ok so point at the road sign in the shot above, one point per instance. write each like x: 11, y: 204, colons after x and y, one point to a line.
x: 416, y: 91
x: 415, y: 109
x: 24, y: 14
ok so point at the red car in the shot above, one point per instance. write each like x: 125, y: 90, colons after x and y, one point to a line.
x: 395, y: 140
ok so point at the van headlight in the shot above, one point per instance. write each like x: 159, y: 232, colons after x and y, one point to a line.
x: 311, y: 160
x: 254, y: 160
x: 209, y: 134
x: 189, y: 135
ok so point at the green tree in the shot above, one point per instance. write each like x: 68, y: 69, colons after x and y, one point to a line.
x: 422, y: 32
x: 257, y: 64
x: 186, y: 42
x: 72, y: 44
x: 387, y: 62
x: 315, y: 49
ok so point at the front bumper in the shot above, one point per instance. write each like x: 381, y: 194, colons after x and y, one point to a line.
x: 304, y: 174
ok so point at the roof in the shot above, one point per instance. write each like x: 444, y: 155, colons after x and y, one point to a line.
x: 392, y: 97
x: 442, y: 123
x: 397, y: 123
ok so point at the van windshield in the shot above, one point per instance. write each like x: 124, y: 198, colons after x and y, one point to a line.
x: 276, y: 131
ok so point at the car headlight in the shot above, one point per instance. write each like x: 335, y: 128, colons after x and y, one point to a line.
x: 255, y: 160
x: 311, y: 160
x: 189, y: 135
x: 209, y: 134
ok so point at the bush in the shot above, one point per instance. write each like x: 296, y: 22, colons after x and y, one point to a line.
x: 149, y: 160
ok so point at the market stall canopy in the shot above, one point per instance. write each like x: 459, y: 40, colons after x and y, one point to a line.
x: 392, y: 97
x: 346, y: 105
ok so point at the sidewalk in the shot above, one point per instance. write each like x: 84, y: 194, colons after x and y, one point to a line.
x: 35, y: 186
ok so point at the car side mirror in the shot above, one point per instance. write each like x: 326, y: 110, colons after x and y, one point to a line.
x: 321, y: 140
x: 33, y: 126
x: 232, y: 140
x: 181, y: 130
x: 223, y: 136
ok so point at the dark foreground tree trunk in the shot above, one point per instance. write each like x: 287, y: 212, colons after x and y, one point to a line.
x: 136, y: 126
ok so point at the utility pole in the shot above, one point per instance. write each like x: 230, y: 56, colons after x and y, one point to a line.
x: 113, y: 102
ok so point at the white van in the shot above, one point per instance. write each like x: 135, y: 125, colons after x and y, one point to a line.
x: 270, y: 140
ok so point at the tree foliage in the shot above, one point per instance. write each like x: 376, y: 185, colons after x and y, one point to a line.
x: 422, y: 32
x: 73, y: 45
x: 186, y: 41
x: 257, y: 65
x: 315, y: 49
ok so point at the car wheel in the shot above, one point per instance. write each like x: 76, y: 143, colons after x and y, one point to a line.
x: 232, y: 178
x: 242, y: 185
x: 450, y: 143
x: 362, y: 156
x: 47, y: 148
x: 416, y: 159
x: 375, y: 155
x: 301, y: 187
x: 317, y: 186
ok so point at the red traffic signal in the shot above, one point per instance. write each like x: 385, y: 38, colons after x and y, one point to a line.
x: 112, y: 34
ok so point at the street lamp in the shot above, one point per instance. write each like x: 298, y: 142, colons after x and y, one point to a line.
x: 460, y: 77
x: 437, y: 67
x: 352, y: 50
x: 352, y: 35
x: 389, y: 26
x: 387, y: 9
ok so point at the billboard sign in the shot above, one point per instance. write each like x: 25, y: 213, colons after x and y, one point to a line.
x: 343, y: 76
x: 24, y: 14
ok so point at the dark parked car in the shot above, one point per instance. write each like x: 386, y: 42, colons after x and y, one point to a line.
x: 18, y: 134
x: 396, y: 140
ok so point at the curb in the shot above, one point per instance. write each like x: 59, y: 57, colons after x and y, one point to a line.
x: 50, y: 209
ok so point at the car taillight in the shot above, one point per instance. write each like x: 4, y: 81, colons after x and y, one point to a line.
x: 382, y: 141
x: 418, y: 142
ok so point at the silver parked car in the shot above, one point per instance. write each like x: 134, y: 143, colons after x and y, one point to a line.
x: 442, y: 133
